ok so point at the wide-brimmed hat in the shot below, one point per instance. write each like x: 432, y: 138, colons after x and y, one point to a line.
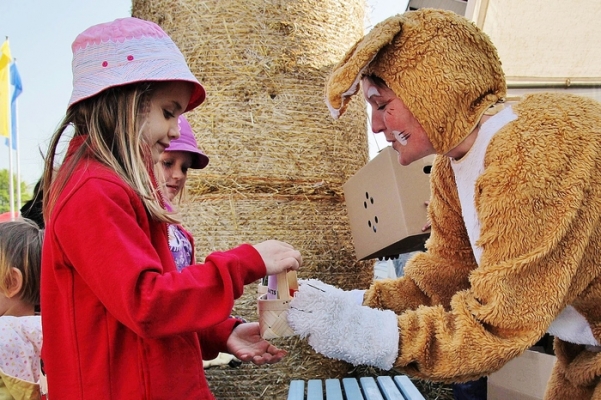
x: 127, y: 50
x: 187, y: 142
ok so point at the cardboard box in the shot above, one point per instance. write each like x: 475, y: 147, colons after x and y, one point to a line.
x: 523, y: 378
x: 385, y: 205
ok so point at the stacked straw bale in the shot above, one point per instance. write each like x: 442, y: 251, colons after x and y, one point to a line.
x: 277, y: 159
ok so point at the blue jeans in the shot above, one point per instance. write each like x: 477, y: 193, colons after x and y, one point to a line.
x: 472, y: 390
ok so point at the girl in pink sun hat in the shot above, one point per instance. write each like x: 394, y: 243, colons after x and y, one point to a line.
x: 120, y: 321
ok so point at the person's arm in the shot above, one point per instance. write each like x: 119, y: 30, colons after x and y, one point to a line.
x: 106, y: 237
x: 537, y: 205
x: 433, y: 277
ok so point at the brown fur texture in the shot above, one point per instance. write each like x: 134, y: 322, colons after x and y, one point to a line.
x: 538, y: 204
x: 446, y: 71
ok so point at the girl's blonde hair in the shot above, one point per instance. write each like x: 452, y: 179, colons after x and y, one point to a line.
x: 111, y: 120
x: 21, y: 248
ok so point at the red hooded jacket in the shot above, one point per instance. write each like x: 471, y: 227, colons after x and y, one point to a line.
x: 119, y: 322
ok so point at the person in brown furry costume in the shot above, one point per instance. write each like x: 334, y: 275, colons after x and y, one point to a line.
x: 515, y: 245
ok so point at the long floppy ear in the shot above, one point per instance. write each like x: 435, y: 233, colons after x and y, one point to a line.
x: 343, y: 82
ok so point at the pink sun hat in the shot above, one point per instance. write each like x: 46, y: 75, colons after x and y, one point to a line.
x: 187, y: 142
x: 127, y: 50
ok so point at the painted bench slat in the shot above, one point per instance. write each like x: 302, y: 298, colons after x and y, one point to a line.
x: 333, y: 389
x: 399, y: 387
x: 351, y: 389
x: 296, y: 390
x: 370, y: 388
x: 408, y: 388
x: 314, y: 390
x: 389, y: 388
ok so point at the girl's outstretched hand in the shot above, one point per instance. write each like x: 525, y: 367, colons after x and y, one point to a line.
x: 279, y: 256
x: 247, y: 345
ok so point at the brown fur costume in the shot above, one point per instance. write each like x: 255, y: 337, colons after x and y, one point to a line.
x: 538, y: 204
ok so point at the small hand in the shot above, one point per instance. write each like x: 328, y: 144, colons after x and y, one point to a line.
x: 246, y: 343
x: 279, y: 256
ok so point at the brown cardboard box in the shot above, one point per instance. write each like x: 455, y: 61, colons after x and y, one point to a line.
x: 385, y: 205
x: 523, y: 378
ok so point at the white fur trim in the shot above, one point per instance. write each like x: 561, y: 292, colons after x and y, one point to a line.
x: 358, y: 296
x: 470, y: 167
x: 335, y: 112
x: 570, y: 326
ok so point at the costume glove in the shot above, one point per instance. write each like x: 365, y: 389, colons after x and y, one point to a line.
x: 338, y: 327
x: 354, y: 296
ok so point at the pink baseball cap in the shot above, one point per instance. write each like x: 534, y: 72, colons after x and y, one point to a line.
x: 187, y: 142
x: 127, y: 50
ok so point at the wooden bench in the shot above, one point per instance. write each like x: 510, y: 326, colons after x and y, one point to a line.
x: 366, y: 388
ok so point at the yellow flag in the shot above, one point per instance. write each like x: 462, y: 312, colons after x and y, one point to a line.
x: 5, y: 60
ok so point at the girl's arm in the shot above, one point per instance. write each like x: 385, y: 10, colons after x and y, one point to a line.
x: 112, y: 249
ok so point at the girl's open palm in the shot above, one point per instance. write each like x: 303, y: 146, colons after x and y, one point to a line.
x: 246, y: 343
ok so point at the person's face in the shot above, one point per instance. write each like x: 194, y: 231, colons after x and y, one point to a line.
x: 175, y: 166
x: 167, y: 103
x: 390, y: 116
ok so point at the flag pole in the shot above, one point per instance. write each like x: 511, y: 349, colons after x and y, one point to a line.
x: 11, y: 186
x: 15, y: 124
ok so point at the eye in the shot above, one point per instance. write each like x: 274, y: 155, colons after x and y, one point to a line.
x: 185, y: 170
x: 382, y: 106
x: 167, y: 164
x: 168, y: 114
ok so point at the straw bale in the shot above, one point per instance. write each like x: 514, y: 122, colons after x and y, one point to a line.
x: 319, y: 227
x: 264, y: 65
x: 277, y: 159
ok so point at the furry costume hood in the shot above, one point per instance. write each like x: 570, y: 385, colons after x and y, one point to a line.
x: 445, y: 70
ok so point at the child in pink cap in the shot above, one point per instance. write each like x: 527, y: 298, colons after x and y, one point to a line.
x: 183, y: 153
x: 120, y: 321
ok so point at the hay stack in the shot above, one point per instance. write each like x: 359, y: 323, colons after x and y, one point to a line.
x: 278, y: 161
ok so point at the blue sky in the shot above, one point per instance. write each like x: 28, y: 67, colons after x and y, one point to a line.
x: 40, y: 33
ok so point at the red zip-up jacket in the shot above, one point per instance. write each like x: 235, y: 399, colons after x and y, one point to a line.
x: 119, y: 322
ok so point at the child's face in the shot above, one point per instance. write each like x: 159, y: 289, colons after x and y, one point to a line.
x: 167, y: 103
x: 390, y: 116
x: 175, y: 166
